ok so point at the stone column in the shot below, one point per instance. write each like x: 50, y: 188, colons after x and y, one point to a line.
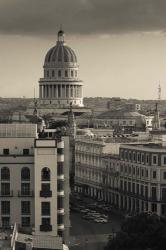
x: 61, y: 91
x: 65, y: 90
x: 69, y: 91
x: 51, y: 91
x: 40, y: 91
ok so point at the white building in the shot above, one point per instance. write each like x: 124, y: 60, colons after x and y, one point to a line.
x: 131, y: 176
x: 34, y: 186
x: 60, y: 84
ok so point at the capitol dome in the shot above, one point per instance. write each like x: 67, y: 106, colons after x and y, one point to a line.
x: 60, y: 53
x: 60, y: 84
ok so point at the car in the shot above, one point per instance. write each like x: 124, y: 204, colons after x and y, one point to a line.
x: 100, y: 220
x: 84, y: 211
x: 129, y: 215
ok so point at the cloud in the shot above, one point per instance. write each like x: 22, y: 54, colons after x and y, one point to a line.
x: 81, y: 16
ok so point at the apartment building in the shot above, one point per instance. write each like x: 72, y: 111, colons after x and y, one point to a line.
x: 130, y: 176
x: 34, y: 186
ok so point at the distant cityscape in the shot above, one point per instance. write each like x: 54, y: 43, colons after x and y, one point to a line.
x: 72, y: 168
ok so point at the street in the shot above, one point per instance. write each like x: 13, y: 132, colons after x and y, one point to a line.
x: 90, y: 235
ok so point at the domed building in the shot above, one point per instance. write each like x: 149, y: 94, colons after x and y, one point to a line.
x: 60, y: 84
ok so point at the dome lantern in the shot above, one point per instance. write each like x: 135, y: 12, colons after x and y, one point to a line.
x: 61, y: 36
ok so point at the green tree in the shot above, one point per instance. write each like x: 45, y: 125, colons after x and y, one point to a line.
x: 141, y: 232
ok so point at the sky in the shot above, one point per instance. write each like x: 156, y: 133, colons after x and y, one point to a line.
x: 120, y: 45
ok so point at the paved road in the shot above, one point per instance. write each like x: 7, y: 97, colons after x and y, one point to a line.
x: 88, y: 235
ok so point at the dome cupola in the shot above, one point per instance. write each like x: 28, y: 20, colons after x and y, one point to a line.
x: 60, y: 53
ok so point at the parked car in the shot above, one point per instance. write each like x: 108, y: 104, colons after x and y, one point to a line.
x: 84, y: 211
x: 100, y: 220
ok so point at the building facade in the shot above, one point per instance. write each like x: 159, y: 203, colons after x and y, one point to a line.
x: 34, y: 186
x: 132, y: 177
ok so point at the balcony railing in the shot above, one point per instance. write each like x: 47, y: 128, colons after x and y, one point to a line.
x: 6, y: 193
x: 28, y: 193
x: 44, y: 193
x: 45, y: 228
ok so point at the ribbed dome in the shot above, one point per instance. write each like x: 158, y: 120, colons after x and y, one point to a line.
x: 60, y: 53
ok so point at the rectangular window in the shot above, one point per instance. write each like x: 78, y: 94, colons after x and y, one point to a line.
x: 129, y: 170
x: 46, y: 221
x: 129, y: 186
x: 142, y: 172
x: 133, y: 170
x: 6, y: 151
x: 134, y: 156
x: 142, y: 158
x: 154, y: 193
x: 5, y: 207
x: 146, y: 173
x: 25, y: 151
x: 164, y: 194
x: 25, y: 188
x: 138, y: 157
x: 5, y: 222
x: 5, y: 189
x: 147, y: 159
x: 45, y: 208
x: 66, y: 73
x: 154, y: 174
x: 164, y: 160
x: 121, y: 185
x: 45, y: 187
x: 25, y: 207
x: 164, y: 175
x: 137, y: 188
x: 146, y: 191
x: 25, y: 221
x: 133, y: 187
x: 154, y: 159
x: 142, y: 190
x: 154, y: 207
x: 125, y: 186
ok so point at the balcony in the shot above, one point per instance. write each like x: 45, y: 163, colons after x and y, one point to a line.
x: 60, y: 193
x: 45, y: 193
x: 45, y: 228
x: 6, y: 193
x: 27, y: 193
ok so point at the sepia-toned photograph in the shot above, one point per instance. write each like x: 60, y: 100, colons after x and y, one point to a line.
x: 82, y: 125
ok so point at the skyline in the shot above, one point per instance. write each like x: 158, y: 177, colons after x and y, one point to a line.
x: 120, y: 45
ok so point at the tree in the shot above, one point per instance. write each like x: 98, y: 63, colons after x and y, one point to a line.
x: 142, y: 232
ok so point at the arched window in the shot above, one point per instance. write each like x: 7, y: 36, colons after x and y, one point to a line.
x: 5, y: 173
x: 25, y: 173
x: 45, y: 174
x: 59, y: 73
x: 66, y: 73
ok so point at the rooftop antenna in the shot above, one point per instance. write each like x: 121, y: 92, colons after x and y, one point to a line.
x: 159, y: 92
